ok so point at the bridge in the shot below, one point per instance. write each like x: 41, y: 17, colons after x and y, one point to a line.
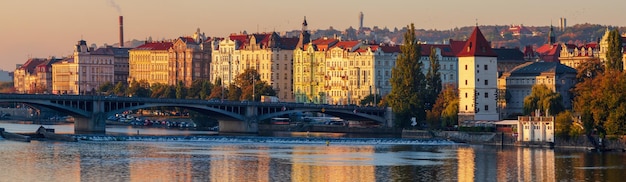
x: 90, y: 112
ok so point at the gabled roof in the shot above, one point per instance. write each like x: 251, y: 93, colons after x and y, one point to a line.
x: 31, y: 64
x: 477, y: 46
x: 538, y: 68
x: 155, y: 46
x: 390, y: 48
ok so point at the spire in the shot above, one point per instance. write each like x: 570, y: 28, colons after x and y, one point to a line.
x: 476, y: 46
x: 551, y: 38
x: 304, y: 24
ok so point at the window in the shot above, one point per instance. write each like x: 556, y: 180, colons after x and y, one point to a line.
x: 486, y: 95
x: 465, y: 82
x: 486, y: 82
x: 465, y: 94
x: 465, y: 67
x: 485, y: 67
x: 466, y: 107
x: 486, y: 107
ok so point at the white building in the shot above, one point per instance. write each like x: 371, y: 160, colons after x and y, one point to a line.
x: 535, y: 129
x: 84, y: 72
x: 477, y: 79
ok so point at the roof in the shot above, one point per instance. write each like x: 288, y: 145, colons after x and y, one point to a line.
x: 537, y: 68
x: 347, y: 45
x: 477, y: 45
x: 446, y: 50
x: 31, y: 64
x: 389, y: 48
x: 155, y: 46
x: 289, y: 43
x: 509, y: 54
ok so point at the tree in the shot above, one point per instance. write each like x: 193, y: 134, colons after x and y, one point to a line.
x: 120, y: 89
x: 601, y: 102
x: 407, y: 82
x: 372, y: 99
x: 138, y: 89
x: 250, y: 84
x: 106, y: 88
x: 543, y: 99
x: 614, y: 52
x: 234, y: 92
x: 564, y: 124
x: 181, y: 91
x: 205, y: 90
x: 445, y: 110
x: 433, y: 80
x: 589, y: 69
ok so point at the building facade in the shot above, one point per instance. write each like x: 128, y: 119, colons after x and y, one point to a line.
x: 189, y: 60
x: 477, y: 79
x: 34, y: 76
x: 268, y: 53
x: 573, y: 55
x: 84, y: 72
x: 518, y: 83
x: 150, y: 62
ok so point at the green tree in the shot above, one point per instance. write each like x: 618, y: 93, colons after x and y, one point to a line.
x: 614, y: 52
x: 433, y: 80
x: 106, y: 88
x: 564, y: 124
x: 250, y: 84
x: 205, y: 90
x: 543, y: 99
x: 181, y: 91
x: 234, y: 92
x: 407, y: 82
x: 371, y: 99
x: 120, y: 89
x: 139, y: 89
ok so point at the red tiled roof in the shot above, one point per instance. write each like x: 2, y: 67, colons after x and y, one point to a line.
x: 289, y: 43
x: 549, y: 53
x: 477, y: 45
x: 155, y: 46
x: 31, y: 64
x: 456, y: 46
x: 324, y: 43
x: 346, y: 45
x: 446, y: 50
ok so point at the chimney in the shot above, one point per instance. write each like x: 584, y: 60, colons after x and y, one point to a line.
x: 121, y: 31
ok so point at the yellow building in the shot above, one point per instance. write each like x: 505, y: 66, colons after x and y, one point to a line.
x: 268, y: 53
x: 149, y: 62
x: 84, y: 72
x: 34, y: 76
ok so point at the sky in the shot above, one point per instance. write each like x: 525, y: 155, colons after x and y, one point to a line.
x: 45, y: 28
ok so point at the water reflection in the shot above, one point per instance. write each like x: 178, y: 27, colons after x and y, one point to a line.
x: 204, y: 161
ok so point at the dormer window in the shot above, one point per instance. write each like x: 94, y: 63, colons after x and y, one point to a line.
x: 469, y: 48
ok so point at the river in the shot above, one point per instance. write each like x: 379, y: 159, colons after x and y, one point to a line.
x: 254, y: 158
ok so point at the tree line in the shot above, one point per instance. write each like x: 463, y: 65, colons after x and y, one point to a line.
x: 246, y: 86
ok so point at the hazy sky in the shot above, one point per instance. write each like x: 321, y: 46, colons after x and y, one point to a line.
x: 43, y: 28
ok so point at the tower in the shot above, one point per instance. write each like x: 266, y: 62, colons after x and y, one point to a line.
x: 361, y: 20
x: 551, y: 38
x: 305, y: 36
x: 121, y: 31
x: 477, y: 79
x: 563, y: 24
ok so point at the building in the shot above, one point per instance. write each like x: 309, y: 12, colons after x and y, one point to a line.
x: 150, y: 62
x: 535, y: 129
x: 268, y: 53
x: 34, y: 76
x: 517, y: 31
x: 575, y: 55
x: 518, y: 83
x: 477, y: 79
x: 84, y: 72
x: 189, y: 59
x: 509, y: 58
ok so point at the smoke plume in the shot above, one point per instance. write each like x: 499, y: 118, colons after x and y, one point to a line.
x: 116, y: 6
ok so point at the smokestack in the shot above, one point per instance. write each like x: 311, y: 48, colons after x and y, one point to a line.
x: 121, y: 31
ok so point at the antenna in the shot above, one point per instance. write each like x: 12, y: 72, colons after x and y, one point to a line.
x: 476, y: 21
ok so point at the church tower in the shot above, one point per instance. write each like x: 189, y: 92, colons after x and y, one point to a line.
x: 477, y: 79
x: 305, y: 36
x: 551, y: 38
